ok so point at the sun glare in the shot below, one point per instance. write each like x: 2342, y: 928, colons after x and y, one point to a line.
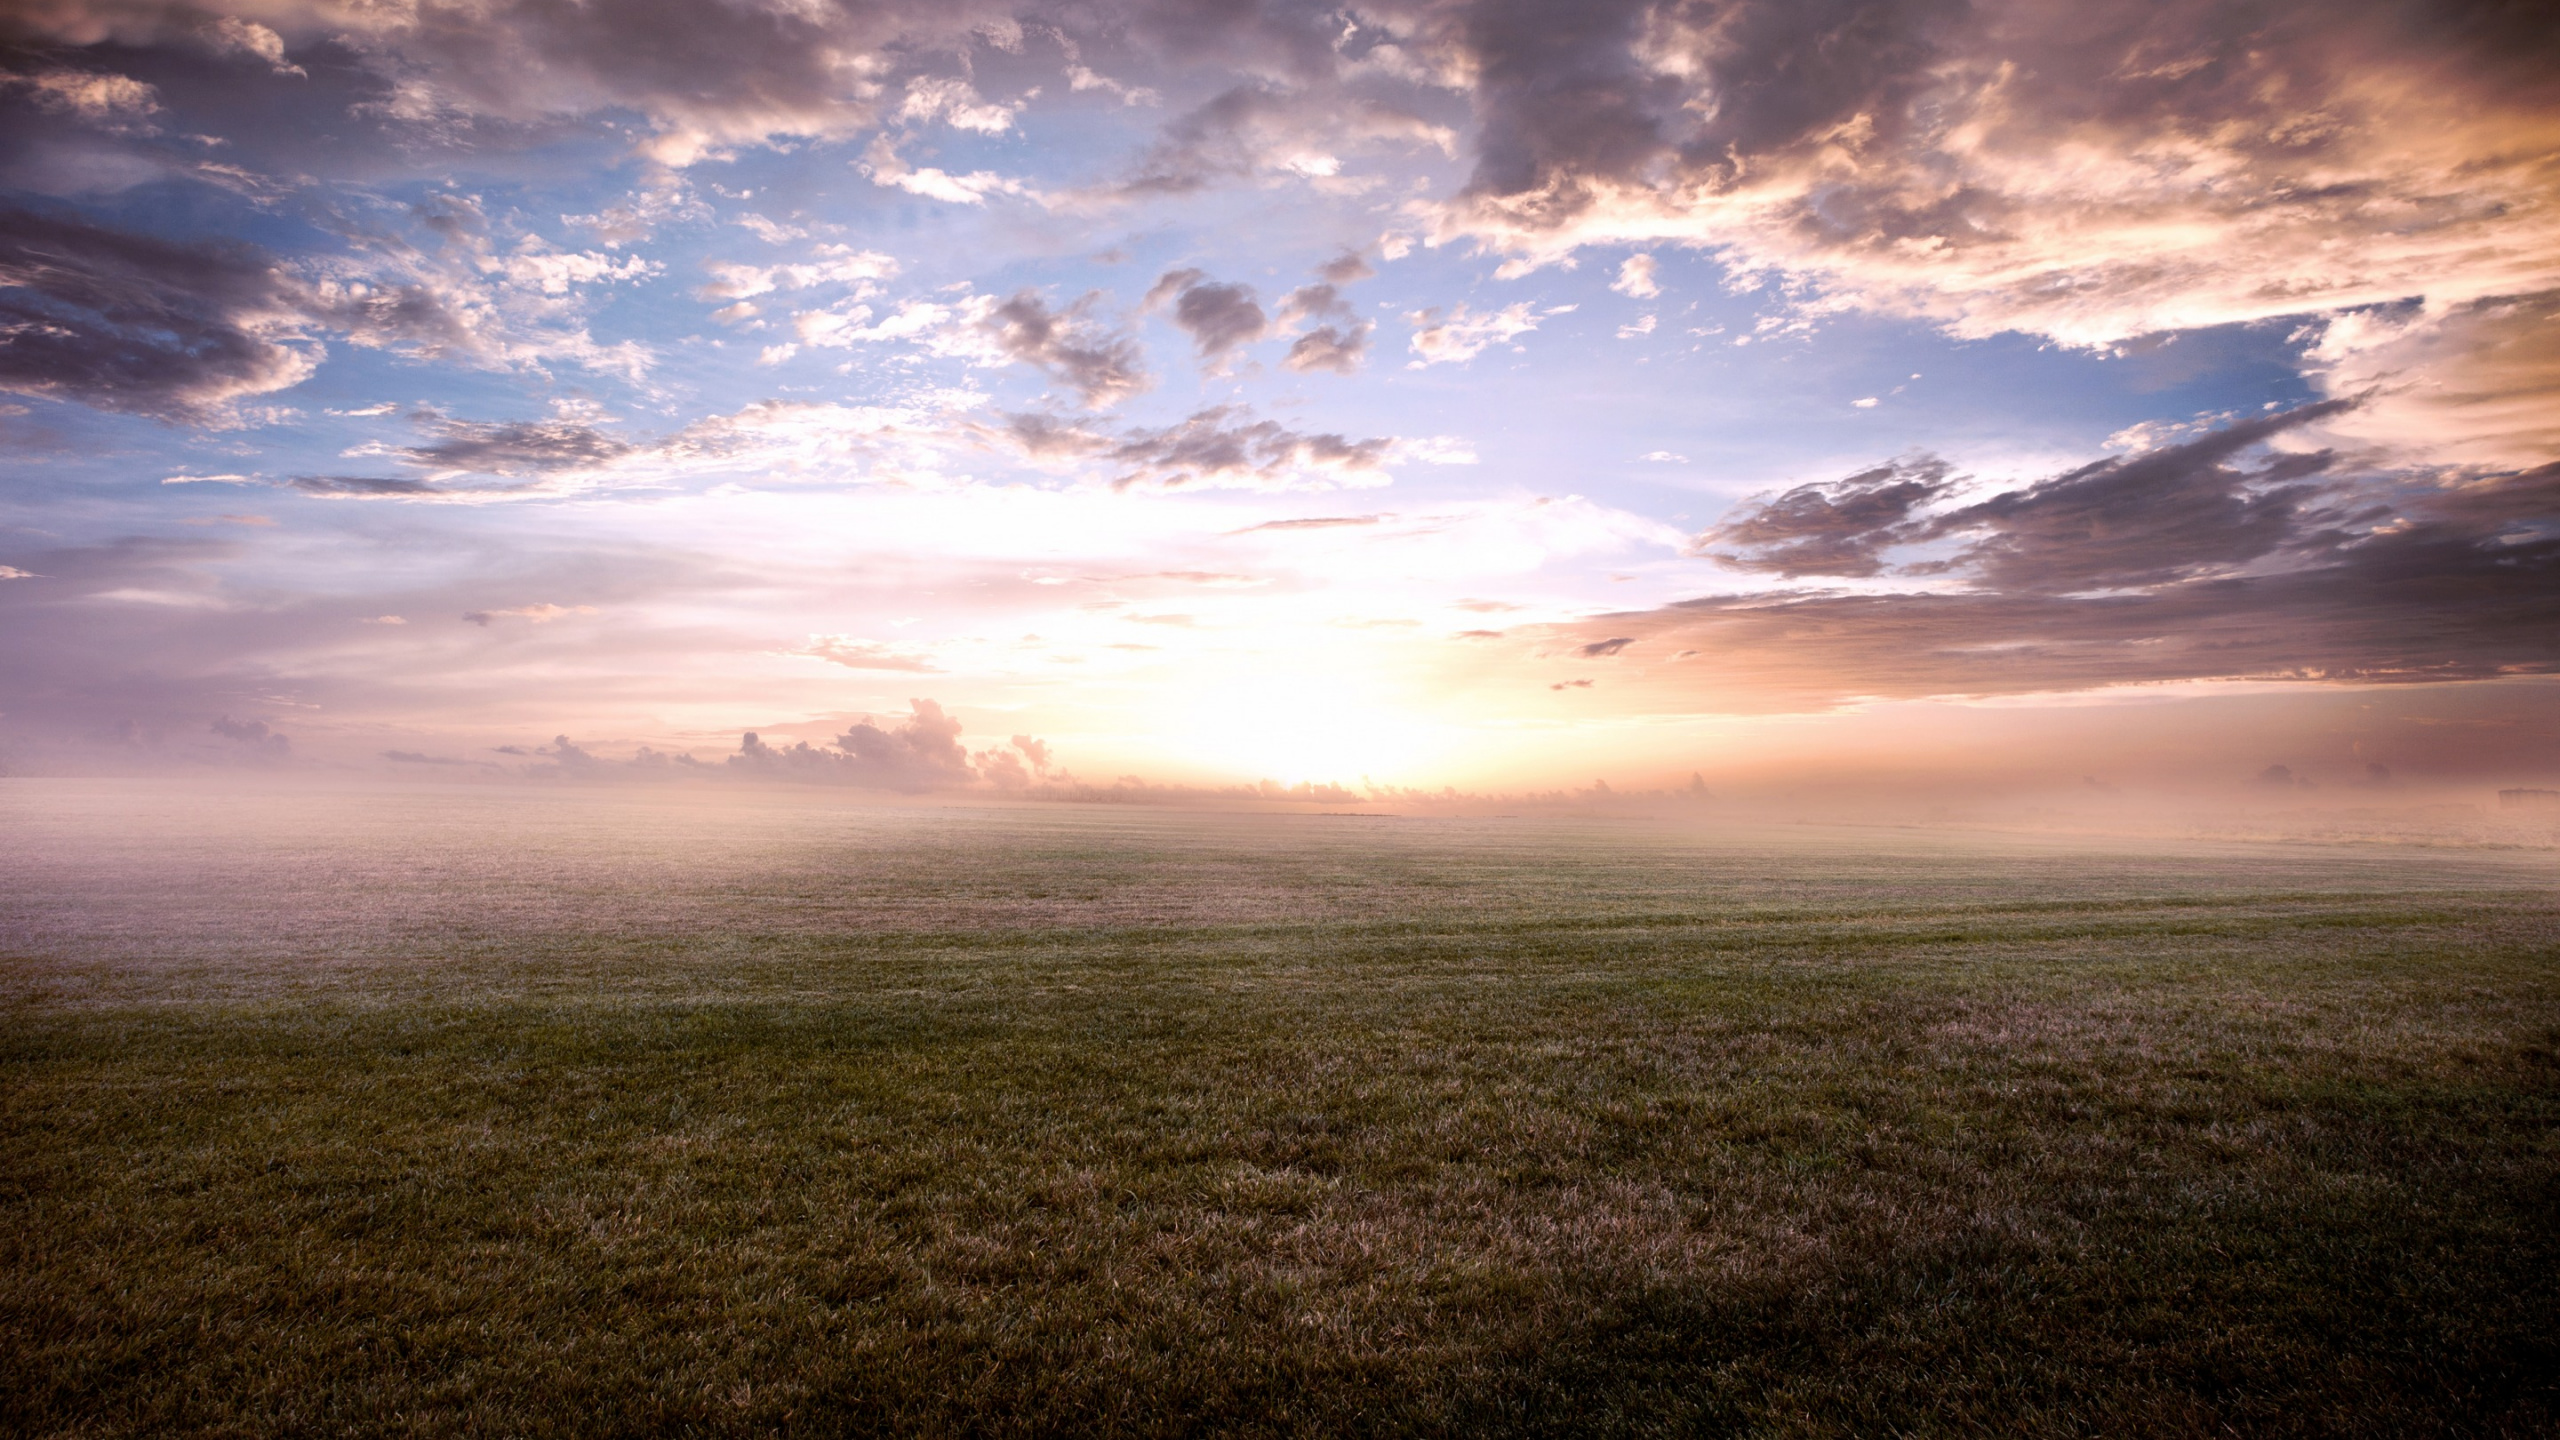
x: 1302, y: 728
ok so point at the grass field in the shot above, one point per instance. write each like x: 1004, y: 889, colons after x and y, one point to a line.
x: 492, y: 1113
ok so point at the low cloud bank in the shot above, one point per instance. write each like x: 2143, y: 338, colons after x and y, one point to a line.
x: 921, y: 754
x: 2222, y: 557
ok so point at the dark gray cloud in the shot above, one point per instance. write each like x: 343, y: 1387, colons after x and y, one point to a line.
x: 513, y: 447
x: 1046, y: 437
x: 2430, y: 603
x: 1338, y: 348
x: 177, y: 330
x: 1171, y: 283
x: 151, y: 327
x: 1344, y: 268
x: 1220, y: 447
x: 2174, y: 564
x: 511, y: 74
x: 1226, y: 138
x: 1217, y: 446
x: 2162, y: 515
x: 1265, y: 126
x: 1283, y: 42
x: 2496, y: 500
x: 1218, y: 317
x: 2180, y: 510
x: 362, y: 486
x: 1839, y: 527
x: 1315, y: 302
x: 698, y: 75
x: 1562, y: 97
x: 1103, y: 368
x: 1341, y: 344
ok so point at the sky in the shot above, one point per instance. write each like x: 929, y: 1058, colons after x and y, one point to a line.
x: 1482, y: 394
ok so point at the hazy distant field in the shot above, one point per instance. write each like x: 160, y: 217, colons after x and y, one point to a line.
x: 507, y: 1113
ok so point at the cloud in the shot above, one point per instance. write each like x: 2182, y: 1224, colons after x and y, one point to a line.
x: 833, y: 265
x: 96, y: 96
x: 1840, y: 527
x: 2175, y: 512
x: 882, y: 164
x: 920, y: 754
x: 770, y: 439
x: 1017, y: 767
x: 2179, y: 563
x: 1081, y: 78
x: 916, y: 755
x: 2089, y: 173
x: 2424, y: 605
x: 364, y: 487
x: 856, y: 654
x: 248, y: 37
x: 1599, y: 648
x: 955, y: 102
x: 2164, y: 515
x: 1459, y: 336
x: 2476, y: 384
x: 253, y: 736
x: 1102, y: 368
x: 1344, y: 268
x: 1314, y: 522
x: 537, y: 614
x: 146, y: 326
x: 180, y: 331
x: 510, y: 448
x: 1337, y: 348
x: 1273, y: 128
x: 535, y: 265
x: 1218, y: 318
x: 700, y: 78
x: 1315, y: 302
x: 1220, y: 447
x: 933, y: 443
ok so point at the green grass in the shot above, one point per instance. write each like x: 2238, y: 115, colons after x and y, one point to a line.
x: 595, y: 1116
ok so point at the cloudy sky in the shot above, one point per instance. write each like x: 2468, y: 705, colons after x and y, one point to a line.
x: 1488, y: 393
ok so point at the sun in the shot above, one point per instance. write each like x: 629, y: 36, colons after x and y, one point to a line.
x: 1299, y: 728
